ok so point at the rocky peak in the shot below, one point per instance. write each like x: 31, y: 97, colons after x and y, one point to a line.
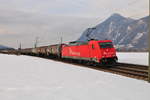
x: 125, y: 32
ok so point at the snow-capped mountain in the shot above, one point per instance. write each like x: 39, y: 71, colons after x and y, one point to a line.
x: 125, y: 32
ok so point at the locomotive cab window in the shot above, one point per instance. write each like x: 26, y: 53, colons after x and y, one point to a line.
x: 106, y: 45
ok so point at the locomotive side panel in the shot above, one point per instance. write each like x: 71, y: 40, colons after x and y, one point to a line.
x: 84, y: 51
x: 76, y: 52
x: 95, y: 52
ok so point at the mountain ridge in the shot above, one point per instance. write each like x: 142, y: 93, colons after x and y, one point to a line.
x: 2, y: 47
x: 125, y: 32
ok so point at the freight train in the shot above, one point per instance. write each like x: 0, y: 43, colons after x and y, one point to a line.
x: 93, y: 51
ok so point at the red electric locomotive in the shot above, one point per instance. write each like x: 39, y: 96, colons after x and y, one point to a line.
x: 102, y: 51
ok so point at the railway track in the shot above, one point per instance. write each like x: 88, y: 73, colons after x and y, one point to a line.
x: 138, y: 72
x: 124, y: 69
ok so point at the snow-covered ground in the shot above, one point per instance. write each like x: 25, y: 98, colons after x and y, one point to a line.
x: 31, y: 78
x: 141, y: 58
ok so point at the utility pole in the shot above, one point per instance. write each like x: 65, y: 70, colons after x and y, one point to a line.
x: 19, y: 47
x: 36, y: 42
x: 149, y: 72
x: 149, y: 58
x: 149, y: 62
x: 61, y: 40
x: 149, y: 66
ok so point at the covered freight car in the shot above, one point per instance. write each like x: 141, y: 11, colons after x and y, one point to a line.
x: 41, y: 51
x: 50, y: 51
x: 54, y: 50
x: 27, y: 51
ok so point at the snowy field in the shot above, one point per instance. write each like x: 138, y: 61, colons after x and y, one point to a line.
x: 140, y: 58
x: 31, y: 78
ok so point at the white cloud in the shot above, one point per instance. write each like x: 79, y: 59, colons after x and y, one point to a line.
x: 23, y: 20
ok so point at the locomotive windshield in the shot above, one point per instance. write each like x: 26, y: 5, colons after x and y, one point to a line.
x: 106, y: 45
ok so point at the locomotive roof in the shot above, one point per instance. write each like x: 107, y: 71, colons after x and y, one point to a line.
x: 73, y: 43
x: 105, y: 41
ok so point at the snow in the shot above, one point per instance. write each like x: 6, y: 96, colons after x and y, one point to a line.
x: 140, y: 58
x: 129, y: 28
x: 32, y: 78
x: 137, y: 37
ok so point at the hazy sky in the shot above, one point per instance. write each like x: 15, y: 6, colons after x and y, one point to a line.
x: 24, y: 20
